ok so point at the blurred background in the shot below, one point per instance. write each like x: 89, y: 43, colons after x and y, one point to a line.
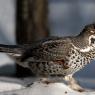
x: 24, y: 21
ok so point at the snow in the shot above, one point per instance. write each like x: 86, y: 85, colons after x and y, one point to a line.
x: 13, y: 86
x: 5, y: 86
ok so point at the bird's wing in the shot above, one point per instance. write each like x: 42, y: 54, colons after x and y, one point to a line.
x: 49, y: 50
x: 56, y: 49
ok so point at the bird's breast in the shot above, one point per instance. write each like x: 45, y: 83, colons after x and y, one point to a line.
x: 76, y: 61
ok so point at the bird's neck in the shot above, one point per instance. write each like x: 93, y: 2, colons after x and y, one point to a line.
x: 82, y: 44
x: 80, y: 41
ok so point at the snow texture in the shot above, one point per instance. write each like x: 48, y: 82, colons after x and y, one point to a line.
x: 39, y: 88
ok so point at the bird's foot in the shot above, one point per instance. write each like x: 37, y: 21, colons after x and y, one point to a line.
x: 74, y: 84
x: 76, y: 87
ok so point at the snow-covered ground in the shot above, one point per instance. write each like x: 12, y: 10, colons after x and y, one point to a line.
x: 9, y: 86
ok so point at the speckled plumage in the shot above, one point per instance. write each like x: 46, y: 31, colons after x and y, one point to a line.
x: 58, y: 56
x: 56, y: 61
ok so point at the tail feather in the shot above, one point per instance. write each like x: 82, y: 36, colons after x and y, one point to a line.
x: 11, y: 49
x: 15, y: 52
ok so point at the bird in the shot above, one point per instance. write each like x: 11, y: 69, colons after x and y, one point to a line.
x: 56, y: 56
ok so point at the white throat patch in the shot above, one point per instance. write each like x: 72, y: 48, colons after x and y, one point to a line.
x: 87, y: 49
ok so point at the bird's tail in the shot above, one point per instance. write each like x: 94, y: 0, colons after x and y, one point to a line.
x: 15, y: 49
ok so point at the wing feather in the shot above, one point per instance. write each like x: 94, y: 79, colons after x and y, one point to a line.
x: 49, y: 50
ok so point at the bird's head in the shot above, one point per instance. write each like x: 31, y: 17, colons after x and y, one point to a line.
x: 89, y: 33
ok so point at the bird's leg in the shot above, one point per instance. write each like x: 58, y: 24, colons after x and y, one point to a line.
x: 47, y: 80
x: 73, y: 83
